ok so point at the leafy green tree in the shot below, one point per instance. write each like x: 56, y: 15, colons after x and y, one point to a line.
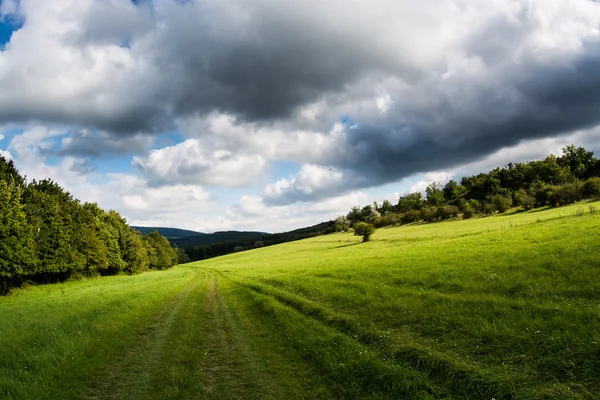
x: 17, y: 255
x: 355, y: 215
x: 88, y: 242
x: 341, y: 224
x: 386, y: 207
x: 161, y: 255
x: 577, y: 159
x: 412, y: 201
x: 51, y: 233
x: 454, y: 191
x: 363, y: 229
x: 435, y: 194
x: 9, y: 173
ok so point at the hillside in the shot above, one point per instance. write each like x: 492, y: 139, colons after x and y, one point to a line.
x: 216, y: 237
x: 169, y: 233
x: 502, y: 307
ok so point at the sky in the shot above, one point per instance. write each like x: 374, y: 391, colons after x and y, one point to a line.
x: 273, y: 115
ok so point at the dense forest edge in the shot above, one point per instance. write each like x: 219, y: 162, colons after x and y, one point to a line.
x: 553, y: 181
x: 48, y: 236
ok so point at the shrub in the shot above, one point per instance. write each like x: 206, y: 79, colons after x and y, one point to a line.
x: 447, y: 212
x: 591, y: 188
x: 564, y: 194
x: 501, y: 203
x: 363, y: 229
x: 524, y: 199
x: 410, y: 217
x: 488, y: 209
x: 468, y: 212
x: 428, y: 214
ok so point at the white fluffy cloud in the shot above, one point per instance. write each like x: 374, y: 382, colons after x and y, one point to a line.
x: 190, y: 162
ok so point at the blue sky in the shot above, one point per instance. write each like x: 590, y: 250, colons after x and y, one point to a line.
x: 213, y: 115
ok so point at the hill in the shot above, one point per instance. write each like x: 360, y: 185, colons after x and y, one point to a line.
x: 169, y: 233
x: 502, y: 307
x: 216, y: 237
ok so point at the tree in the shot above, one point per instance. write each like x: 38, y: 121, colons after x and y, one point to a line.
x: 17, y: 256
x: 577, y: 159
x: 341, y: 224
x: 363, y: 229
x: 435, y: 194
x: 412, y: 201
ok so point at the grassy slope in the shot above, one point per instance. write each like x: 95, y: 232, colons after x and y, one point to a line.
x: 503, y: 307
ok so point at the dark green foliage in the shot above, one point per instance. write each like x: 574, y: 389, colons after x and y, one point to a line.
x: 160, y: 253
x: 468, y: 212
x: 564, y: 194
x: 410, y: 216
x: 428, y: 214
x: 524, y: 199
x: 591, y: 188
x: 500, y: 203
x: 413, y: 201
x: 46, y: 236
x: 17, y: 257
x: 435, y: 194
x: 171, y: 233
x: 578, y: 160
x: 364, y: 229
x: 9, y: 173
x: 553, y: 181
x: 447, y: 212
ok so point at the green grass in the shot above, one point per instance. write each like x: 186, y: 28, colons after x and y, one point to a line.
x: 501, y: 307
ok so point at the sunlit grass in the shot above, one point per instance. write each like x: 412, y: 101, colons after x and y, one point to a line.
x: 500, y: 307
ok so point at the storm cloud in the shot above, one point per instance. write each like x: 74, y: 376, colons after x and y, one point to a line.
x: 417, y: 87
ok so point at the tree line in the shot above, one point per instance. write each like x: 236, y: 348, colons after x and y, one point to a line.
x: 554, y: 181
x: 48, y: 236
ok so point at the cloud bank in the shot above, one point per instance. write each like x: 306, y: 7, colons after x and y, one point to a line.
x: 355, y: 94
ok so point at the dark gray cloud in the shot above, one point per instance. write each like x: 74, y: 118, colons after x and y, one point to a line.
x: 84, y: 143
x: 464, y: 78
x: 82, y: 167
x: 540, y: 99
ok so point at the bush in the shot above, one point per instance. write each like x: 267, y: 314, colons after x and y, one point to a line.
x: 363, y: 229
x: 447, y: 212
x: 501, y: 203
x: 428, y: 214
x: 591, y: 188
x: 410, y: 217
x: 468, y: 212
x: 524, y: 199
x: 564, y: 194
x: 488, y: 208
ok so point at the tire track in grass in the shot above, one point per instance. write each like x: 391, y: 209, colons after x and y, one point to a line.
x: 129, y: 377
x: 204, y: 345
x: 471, y: 380
x: 240, y: 360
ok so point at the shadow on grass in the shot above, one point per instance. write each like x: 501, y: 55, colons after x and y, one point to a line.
x: 347, y: 245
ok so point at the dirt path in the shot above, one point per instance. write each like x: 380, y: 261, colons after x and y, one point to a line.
x: 203, y: 344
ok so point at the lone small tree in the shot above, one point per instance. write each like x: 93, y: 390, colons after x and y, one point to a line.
x: 363, y: 229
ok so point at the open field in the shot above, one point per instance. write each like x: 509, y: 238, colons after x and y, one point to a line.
x: 501, y: 307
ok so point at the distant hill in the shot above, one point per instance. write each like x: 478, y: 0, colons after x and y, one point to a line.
x: 169, y: 233
x: 217, y: 237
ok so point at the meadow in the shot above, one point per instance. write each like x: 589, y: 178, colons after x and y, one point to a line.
x: 502, y: 307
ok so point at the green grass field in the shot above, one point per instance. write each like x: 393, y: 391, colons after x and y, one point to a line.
x: 504, y: 307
